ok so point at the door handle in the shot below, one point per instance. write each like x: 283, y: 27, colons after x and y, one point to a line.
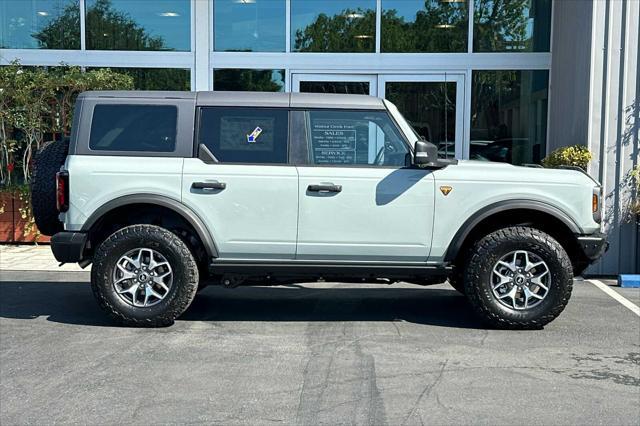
x: 324, y: 188
x: 209, y: 186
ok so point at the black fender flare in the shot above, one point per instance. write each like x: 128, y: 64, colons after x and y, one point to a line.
x: 160, y: 200
x: 499, y: 207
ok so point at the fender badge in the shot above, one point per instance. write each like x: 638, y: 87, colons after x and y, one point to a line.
x: 445, y: 189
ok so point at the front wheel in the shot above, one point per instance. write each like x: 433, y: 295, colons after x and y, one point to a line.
x: 518, y: 278
x: 144, y: 275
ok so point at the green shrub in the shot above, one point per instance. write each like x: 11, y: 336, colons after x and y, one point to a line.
x: 576, y: 155
x: 635, y: 201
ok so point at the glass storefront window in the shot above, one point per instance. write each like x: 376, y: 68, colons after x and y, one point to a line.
x: 158, y: 78
x: 333, y: 26
x: 248, y: 80
x: 424, y: 26
x: 512, y: 26
x: 509, y: 116
x: 249, y: 25
x: 138, y: 25
x: 430, y: 108
x: 343, y: 87
x: 39, y: 24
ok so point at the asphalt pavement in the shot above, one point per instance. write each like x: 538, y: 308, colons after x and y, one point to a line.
x: 312, y: 354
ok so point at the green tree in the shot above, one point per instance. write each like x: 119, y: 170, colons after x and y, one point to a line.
x: 107, y: 29
x: 62, y: 32
x: 352, y: 30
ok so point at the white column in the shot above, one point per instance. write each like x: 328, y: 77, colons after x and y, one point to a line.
x: 202, y: 30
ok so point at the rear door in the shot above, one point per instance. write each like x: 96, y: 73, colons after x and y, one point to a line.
x: 359, y: 201
x: 247, y: 194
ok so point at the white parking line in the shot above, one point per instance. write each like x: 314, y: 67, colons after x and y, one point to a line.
x: 623, y: 301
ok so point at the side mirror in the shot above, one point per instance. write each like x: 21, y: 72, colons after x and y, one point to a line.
x: 426, y: 154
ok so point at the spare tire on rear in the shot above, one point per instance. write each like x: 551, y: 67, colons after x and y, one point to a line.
x: 43, y: 186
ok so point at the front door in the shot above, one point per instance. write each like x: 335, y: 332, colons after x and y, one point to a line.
x: 358, y: 199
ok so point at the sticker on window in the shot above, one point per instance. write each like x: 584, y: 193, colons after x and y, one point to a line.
x: 253, y: 136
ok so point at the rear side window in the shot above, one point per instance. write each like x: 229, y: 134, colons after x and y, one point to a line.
x: 147, y: 128
x: 245, y: 135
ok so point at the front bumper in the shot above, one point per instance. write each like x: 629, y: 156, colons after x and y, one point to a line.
x: 68, y: 246
x: 593, y: 246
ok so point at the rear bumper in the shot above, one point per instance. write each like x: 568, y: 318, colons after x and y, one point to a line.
x: 68, y: 247
x: 593, y: 246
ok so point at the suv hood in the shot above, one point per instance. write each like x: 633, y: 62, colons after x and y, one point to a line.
x: 488, y: 171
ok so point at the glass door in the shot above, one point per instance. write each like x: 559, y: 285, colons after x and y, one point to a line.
x: 354, y: 84
x: 433, y: 104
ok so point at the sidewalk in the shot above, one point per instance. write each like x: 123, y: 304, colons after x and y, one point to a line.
x: 32, y: 258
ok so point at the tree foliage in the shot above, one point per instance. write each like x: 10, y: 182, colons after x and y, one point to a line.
x: 576, y: 155
x: 36, y: 105
x: 352, y: 30
x: 62, y: 32
x: 248, y: 80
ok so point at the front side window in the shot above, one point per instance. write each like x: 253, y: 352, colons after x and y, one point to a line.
x: 144, y: 128
x: 245, y: 135
x: 354, y: 138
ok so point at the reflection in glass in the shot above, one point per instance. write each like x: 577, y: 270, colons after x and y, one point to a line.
x: 424, y: 26
x: 333, y: 26
x: 509, y: 116
x: 430, y: 107
x: 515, y: 25
x: 138, y: 25
x: 249, y: 25
x: 248, y: 80
x: 344, y: 87
x: 39, y: 24
x: 158, y: 78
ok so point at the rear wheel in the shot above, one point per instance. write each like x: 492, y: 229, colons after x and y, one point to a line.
x: 144, y: 275
x: 518, y: 278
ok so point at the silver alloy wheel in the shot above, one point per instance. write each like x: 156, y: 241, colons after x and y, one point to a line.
x: 520, y: 280
x: 142, y: 277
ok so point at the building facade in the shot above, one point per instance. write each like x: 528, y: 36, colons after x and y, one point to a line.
x: 499, y: 80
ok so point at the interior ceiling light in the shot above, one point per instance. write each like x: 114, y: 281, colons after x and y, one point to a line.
x: 445, y: 26
x: 452, y: 1
x: 244, y: 1
x: 363, y: 36
x: 169, y: 14
x: 354, y: 15
x: 43, y: 13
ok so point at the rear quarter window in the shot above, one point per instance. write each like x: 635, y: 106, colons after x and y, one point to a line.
x: 142, y: 128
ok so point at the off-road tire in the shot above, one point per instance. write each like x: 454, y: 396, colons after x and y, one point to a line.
x: 181, y: 293
x: 43, y: 186
x: 488, y: 250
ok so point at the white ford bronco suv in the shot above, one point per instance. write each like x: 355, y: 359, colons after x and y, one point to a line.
x: 165, y: 192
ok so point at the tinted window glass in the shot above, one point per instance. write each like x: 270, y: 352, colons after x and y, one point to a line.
x: 424, y: 26
x: 354, y: 138
x: 245, y: 135
x: 248, y: 80
x: 138, y: 24
x: 509, y: 116
x: 249, y: 26
x: 157, y: 78
x: 333, y: 26
x: 150, y: 128
x: 512, y: 26
x: 39, y: 24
